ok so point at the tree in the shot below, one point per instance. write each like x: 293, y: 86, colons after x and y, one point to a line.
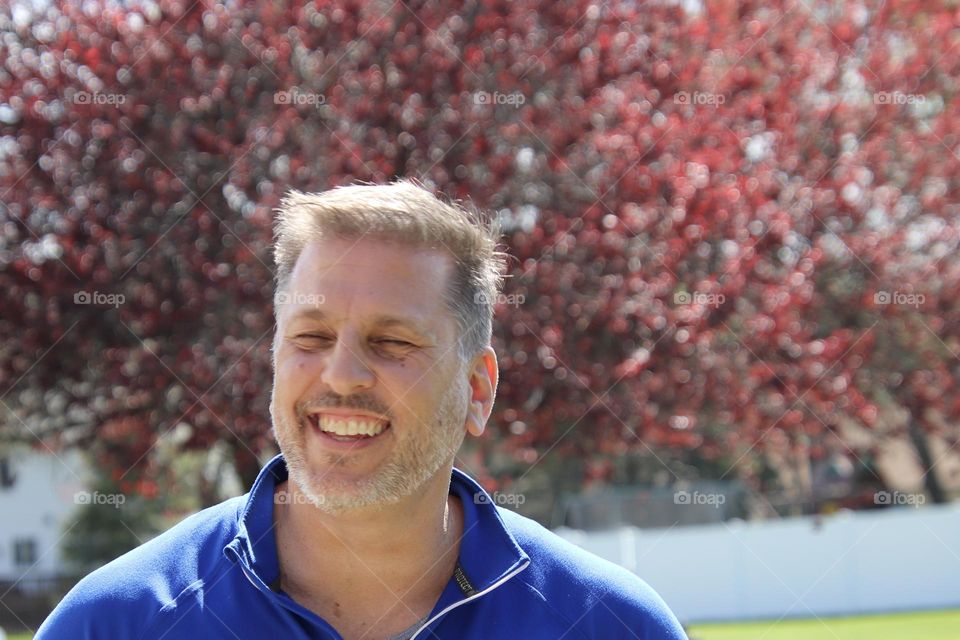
x: 702, y: 205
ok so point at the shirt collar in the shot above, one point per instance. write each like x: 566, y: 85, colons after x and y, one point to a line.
x: 488, y: 551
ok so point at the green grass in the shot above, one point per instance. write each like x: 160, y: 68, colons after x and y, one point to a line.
x: 925, y: 625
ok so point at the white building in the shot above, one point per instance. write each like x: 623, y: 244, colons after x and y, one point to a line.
x: 38, y: 490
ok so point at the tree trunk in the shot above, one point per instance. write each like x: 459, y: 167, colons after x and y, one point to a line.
x: 922, y: 445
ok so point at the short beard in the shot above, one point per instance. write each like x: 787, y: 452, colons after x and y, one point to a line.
x: 413, y: 463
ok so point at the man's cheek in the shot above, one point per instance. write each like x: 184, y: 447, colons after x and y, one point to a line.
x: 290, y: 374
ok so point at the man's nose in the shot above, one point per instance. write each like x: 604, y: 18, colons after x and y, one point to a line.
x: 345, y: 370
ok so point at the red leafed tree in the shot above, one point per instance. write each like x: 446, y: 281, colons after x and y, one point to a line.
x: 707, y: 205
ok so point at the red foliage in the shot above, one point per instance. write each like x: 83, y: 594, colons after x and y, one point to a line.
x: 739, y: 156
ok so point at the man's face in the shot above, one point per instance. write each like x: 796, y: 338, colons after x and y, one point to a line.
x: 364, y: 333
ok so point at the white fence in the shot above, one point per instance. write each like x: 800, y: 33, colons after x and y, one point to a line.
x: 899, y: 558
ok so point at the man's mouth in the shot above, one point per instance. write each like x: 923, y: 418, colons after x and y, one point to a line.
x: 348, y: 428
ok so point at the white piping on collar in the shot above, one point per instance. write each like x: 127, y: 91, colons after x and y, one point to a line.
x: 473, y: 597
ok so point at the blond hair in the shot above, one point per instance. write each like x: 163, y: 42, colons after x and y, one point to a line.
x: 403, y: 212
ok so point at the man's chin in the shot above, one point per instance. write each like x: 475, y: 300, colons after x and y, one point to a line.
x: 340, y: 497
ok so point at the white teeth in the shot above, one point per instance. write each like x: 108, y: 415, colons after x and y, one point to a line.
x: 350, y: 426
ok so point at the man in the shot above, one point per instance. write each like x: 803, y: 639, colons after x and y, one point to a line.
x: 362, y: 529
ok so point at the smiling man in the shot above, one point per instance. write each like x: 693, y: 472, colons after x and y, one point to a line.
x: 362, y: 528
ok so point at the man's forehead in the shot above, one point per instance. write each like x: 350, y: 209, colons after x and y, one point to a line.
x: 379, y: 282
x: 398, y: 269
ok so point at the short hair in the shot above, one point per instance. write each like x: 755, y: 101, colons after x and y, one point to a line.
x: 405, y: 213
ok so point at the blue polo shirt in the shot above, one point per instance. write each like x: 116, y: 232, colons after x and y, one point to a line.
x: 215, y: 575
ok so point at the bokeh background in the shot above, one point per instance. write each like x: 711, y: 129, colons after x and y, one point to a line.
x: 733, y: 228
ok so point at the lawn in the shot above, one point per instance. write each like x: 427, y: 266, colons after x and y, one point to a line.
x: 925, y: 625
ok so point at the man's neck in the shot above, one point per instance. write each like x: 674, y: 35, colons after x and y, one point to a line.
x: 369, y: 571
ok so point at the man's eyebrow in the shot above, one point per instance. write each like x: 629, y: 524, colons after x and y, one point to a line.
x: 380, y: 320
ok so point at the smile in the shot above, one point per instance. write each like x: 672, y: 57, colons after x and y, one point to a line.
x: 348, y: 428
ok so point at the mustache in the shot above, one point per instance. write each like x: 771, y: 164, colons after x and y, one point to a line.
x: 334, y: 401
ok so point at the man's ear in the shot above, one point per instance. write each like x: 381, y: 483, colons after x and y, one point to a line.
x: 484, y: 375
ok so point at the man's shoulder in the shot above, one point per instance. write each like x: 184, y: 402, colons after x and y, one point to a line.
x: 138, y: 584
x: 181, y: 554
x: 600, y: 595
x: 562, y: 560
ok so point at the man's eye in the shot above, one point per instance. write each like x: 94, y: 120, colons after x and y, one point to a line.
x: 394, y: 343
